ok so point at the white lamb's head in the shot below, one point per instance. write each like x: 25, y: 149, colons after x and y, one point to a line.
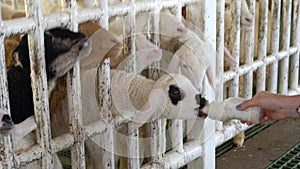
x: 6, y: 122
x: 171, y: 26
x: 146, y: 53
x: 173, y: 97
x: 195, y: 58
x: 247, y: 19
x: 183, y: 99
x: 105, y: 44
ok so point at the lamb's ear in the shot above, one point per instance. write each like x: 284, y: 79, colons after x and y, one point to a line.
x: 153, y: 109
x: 173, y: 65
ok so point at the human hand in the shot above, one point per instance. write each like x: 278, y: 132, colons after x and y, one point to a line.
x: 273, y: 106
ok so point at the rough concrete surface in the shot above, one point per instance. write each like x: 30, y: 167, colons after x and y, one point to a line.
x: 263, y: 148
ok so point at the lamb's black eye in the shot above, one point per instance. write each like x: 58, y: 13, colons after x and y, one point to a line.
x: 175, y: 94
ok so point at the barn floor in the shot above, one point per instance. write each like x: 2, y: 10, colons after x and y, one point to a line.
x: 264, y: 148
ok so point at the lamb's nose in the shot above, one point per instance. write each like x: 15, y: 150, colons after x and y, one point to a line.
x: 200, y: 100
x: 249, y: 19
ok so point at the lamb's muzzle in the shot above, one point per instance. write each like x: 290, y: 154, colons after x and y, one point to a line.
x: 202, y: 102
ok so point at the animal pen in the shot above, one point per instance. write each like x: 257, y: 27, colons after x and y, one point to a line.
x: 276, y: 71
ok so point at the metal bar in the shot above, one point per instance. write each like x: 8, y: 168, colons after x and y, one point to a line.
x: 294, y: 59
x: 247, y: 46
x: 229, y: 75
x: 220, y: 49
x: 192, y: 150
x: 158, y: 126
x: 74, y: 97
x: 273, y: 46
x: 7, y: 155
x: 176, y: 129
x: 285, y: 45
x: 39, y: 82
x: 234, y: 44
x: 106, y: 138
x: 262, y: 43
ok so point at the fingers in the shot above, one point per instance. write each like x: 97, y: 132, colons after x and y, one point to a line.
x: 246, y: 104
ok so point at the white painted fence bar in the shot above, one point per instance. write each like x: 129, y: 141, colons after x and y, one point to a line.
x: 177, y: 125
x: 104, y: 83
x: 74, y: 97
x: 157, y: 127
x: 130, y: 34
x: 262, y: 44
x: 229, y: 75
x: 285, y: 45
x: 294, y: 59
x: 274, y: 46
x: 234, y: 44
x: 12, y: 27
x: 5, y: 142
x: 192, y: 150
x: 220, y: 49
x: 35, y: 153
x: 247, y: 55
x: 39, y: 82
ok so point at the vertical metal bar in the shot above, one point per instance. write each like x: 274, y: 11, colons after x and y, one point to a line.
x: 220, y: 54
x: 133, y: 133
x: 220, y: 48
x: 74, y: 98
x: 177, y: 125
x: 247, y: 45
x: 6, y: 155
x: 294, y: 59
x: 107, y: 139
x: 158, y: 125
x: 206, y: 21
x: 234, y: 44
x: 285, y: 45
x: 39, y: 81
x: 262, y: 43
x: 273, y: 47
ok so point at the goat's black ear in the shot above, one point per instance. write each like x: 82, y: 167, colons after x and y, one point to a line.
x: 175, y: 94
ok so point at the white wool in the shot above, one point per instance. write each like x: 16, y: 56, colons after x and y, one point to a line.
x: 133, y: 94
